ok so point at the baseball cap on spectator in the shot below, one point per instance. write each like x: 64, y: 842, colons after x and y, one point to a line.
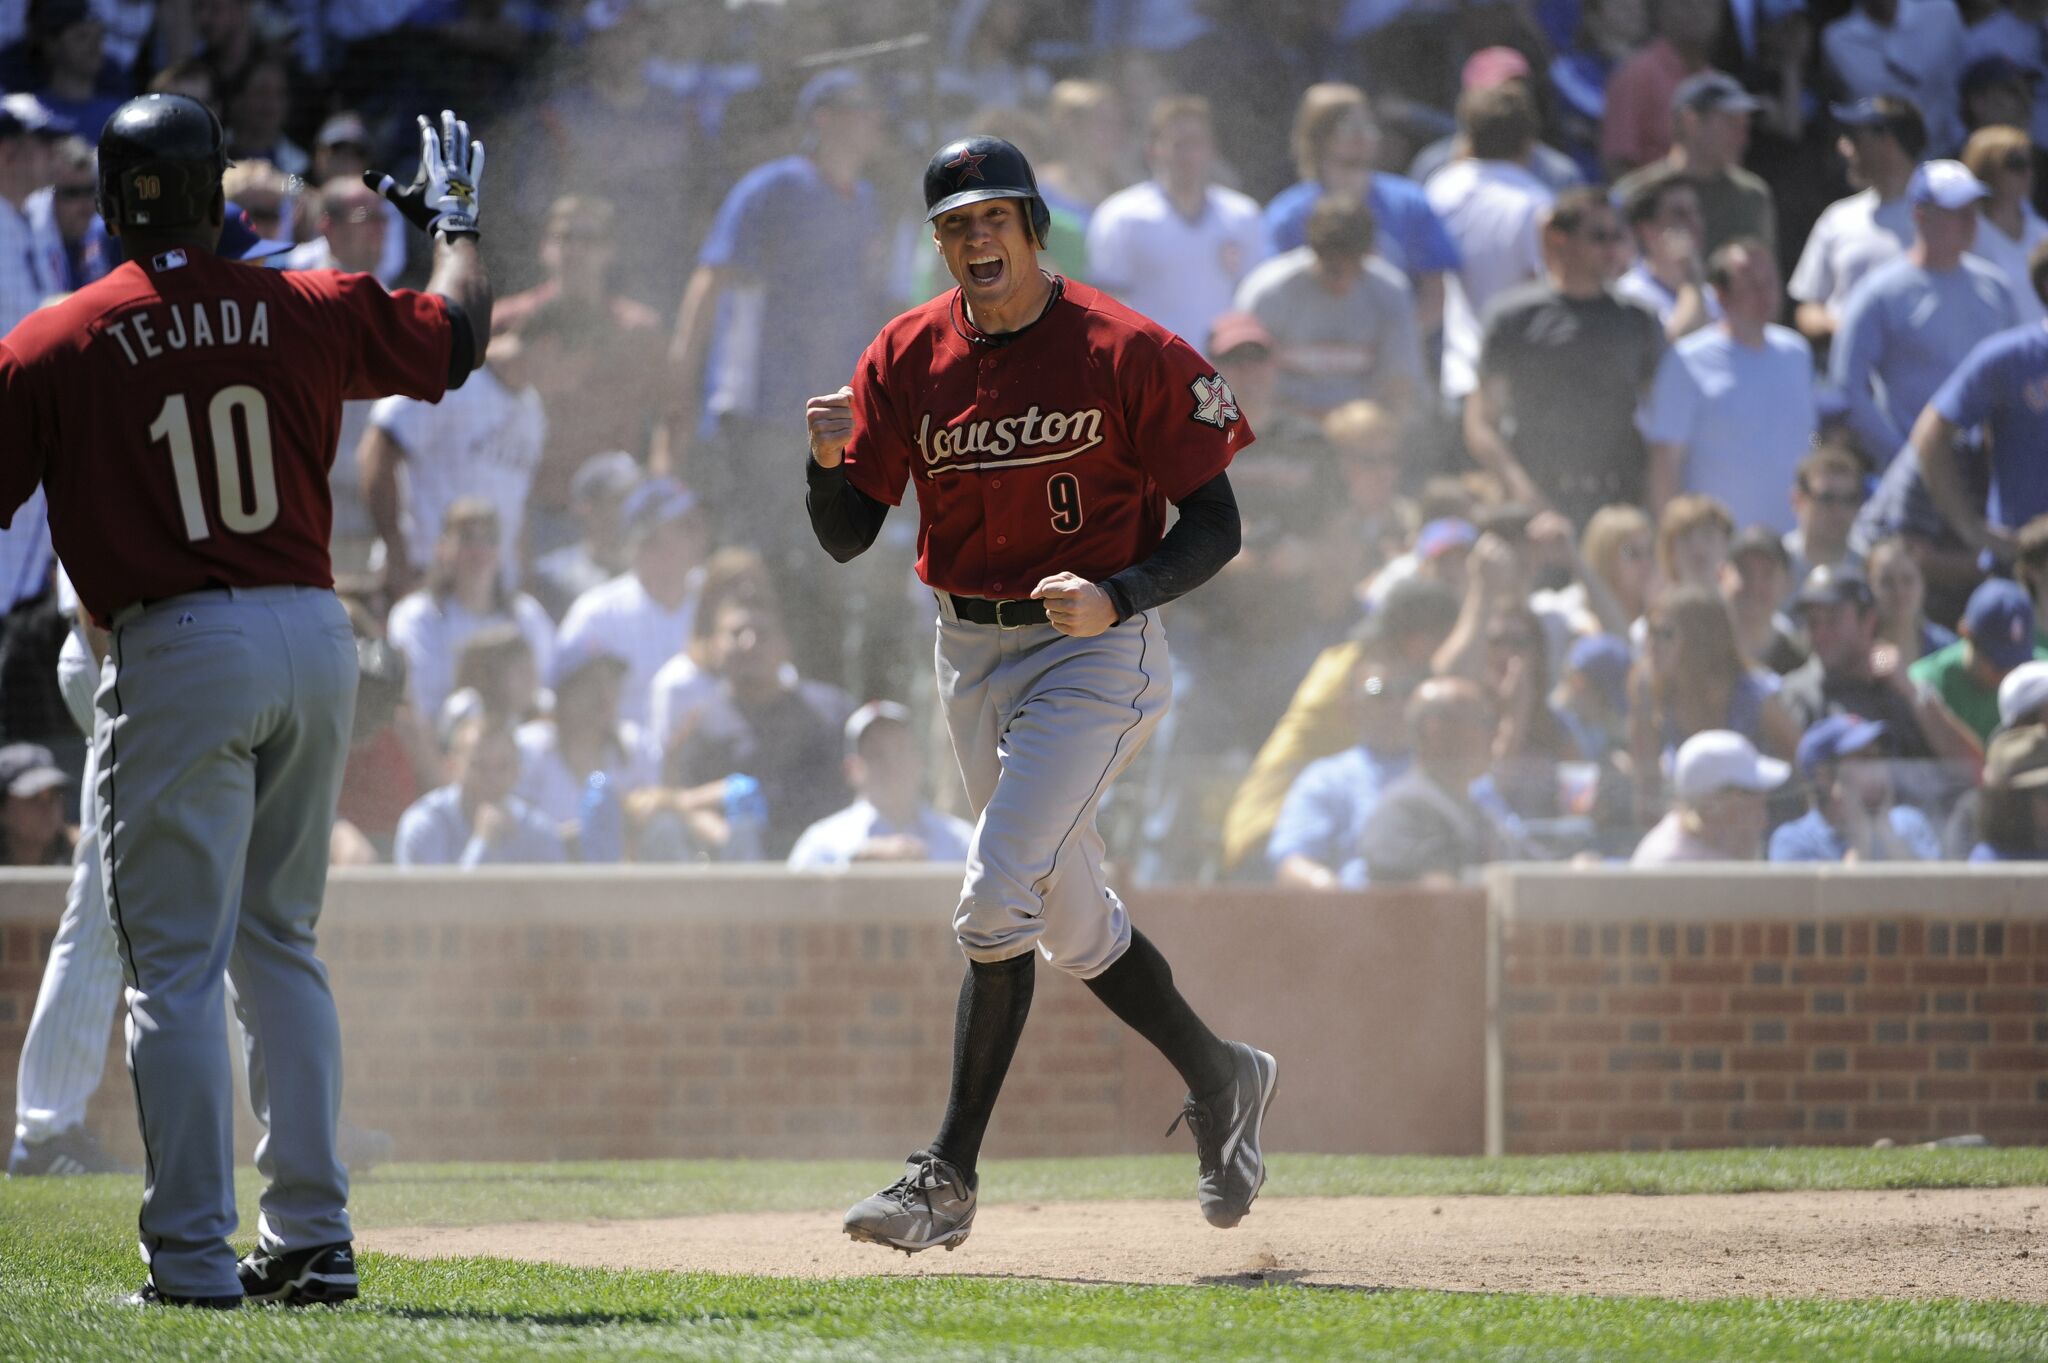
x: 345, y: 129
x: 655, y: 503
x: 1443, y: 536
x: 2023, y: 693
x: 1829, y: 585
x: 829, y: 89
x: 1234, y: 331
x: 585, y: 653
x: 23, y: 115
x: 239, y: 239
x: 1491, y: 66
x: 1603, y: 660
x: 28, y: 769
x: 1999, y: 622
x: 1945, y: 184
x: 1894, y: 114
x: 1713, y: 92
x: 873, y: 713
x: 1760, y: 539
x: 611, y: 474
x: 1995, y: 69
x: 1837, y: 737
x: 2017, y: 759
x: 1715, y: 760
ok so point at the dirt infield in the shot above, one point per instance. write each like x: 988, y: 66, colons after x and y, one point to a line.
x: 1989, y: 1244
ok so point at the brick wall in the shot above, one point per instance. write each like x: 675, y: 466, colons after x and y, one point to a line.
x: 705, y: 1013
x: 1679, y: 1010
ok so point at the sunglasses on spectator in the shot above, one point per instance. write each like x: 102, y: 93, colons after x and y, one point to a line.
x: 1602, y: 236
x: 74, y: 191
x: 1836, y: 498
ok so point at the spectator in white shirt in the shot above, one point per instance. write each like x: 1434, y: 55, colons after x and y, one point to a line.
x: 1882, y: 139
x: 476, y: 820
x: 1175, y: 246
x: 684, y: 684
x: 1720, y: 786
x: 1731, y: 412
x: 1669, y: 276
x: 890, y: 820
x: 1909, y: 48
x: 465, y: 591
x: 1493, y: 207
x: 28, y: 265
x: 2008, y: 228
x: 644, y: 615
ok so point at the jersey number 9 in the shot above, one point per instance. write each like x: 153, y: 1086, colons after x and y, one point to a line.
x: 243, y: 511
x: 1063, y: 494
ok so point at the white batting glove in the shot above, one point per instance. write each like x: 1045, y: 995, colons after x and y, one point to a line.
x: 442, y: 197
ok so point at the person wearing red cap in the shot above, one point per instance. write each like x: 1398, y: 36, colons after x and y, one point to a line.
x: 1484, y: 70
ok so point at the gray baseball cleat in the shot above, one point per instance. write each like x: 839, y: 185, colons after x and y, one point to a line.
x: 1226, y: 1128
x: 932, y: 1204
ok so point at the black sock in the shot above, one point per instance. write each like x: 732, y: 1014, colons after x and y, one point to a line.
x: 1139, y: 990
x: 995, y: 999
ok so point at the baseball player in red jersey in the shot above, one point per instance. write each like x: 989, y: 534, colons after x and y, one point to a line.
x: 1045, y: 427
x: 208, y: 394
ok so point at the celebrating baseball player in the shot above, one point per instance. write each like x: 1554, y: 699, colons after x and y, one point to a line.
x: 207, y: 393
x: 1046, y: 427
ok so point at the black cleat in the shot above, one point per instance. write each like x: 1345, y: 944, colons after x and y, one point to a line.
x: 149, y: 1295
x: 1227, y: 1127
x: 322, y: 1276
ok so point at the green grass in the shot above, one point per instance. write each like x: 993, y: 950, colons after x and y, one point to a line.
x: 67, y: 1253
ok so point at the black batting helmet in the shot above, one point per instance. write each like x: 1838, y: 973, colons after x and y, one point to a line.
x: 161, y: 158
x: 971, y: 169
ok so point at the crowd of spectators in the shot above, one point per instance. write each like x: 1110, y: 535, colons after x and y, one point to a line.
x: 1651, y: 400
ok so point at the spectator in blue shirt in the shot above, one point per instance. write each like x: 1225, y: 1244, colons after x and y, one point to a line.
x: 1911, y: 321
x: 1336, y: 142
x: 476, y: 820
x: 2012, y: 810
x: 1853, y: 817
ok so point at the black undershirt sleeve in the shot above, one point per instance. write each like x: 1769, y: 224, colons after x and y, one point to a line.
x: 461, y: 345
x: 1205, y: 537
x: 845, y: 519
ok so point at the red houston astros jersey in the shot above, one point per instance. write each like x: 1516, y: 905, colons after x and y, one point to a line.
x: 182, y: 414
x: 1054, y: 451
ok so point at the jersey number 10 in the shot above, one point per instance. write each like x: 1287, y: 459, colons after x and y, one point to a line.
x: 237, y: 513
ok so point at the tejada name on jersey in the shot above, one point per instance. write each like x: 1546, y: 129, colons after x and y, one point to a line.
x: 167, y: 328
x: 946, y: 449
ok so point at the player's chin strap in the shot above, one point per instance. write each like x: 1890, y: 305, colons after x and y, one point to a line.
x: 969, y: 332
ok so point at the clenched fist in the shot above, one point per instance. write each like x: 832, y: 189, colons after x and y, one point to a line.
x: 830, y: 418
x: 1075, y: 606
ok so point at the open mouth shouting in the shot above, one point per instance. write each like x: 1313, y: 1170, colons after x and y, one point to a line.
x: 985, y: 269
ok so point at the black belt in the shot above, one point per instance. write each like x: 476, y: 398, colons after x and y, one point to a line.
x: 977, y: 610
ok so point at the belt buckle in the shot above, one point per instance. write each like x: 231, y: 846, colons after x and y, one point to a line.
x: 1006, y: 624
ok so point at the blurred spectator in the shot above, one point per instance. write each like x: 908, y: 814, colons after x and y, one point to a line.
x: 1092, y: 148
x: 1901, y: 507
x: 1175, y: 246
x: 1492, y: 207
x: 1562, y: 369
x: 265, y: 194
x: 1912, y: 49
x: 1901, y: 591
x: 380, y: 781
x: 79, y: 83
x: 1316, y: 840
x: 597, y: 500
x: 1369, y: 521
x: 889, y: 819
x: 1720, y: 787
x: 2012, y: 811
x: 2030, y: 566
x: 602, y: 392
x: 190, y: 77
x: 464, y: 591
x: 1427, y: 828
x: 1827, y: 490
x: 1996, y: 92
x: 1321, y: 719
x: 1344, y: 320
x: 1591, y: 699
x: 1853, y: 816
x: 1619, y: 549
x: 1636, y: 127
x: 497, y: 673
x: 32, y: 827
x: 1532, y: 739
x: 1289, y: 480
x: 476, y: 820
x: 1485, y: 69
x: 2008, y: 230
x: 786, y: 739
x: 256, y: 102
x: 482, y: 440
x: 1711, y: 116
x: 1911, y: 321
x: 1849, y: 674
x: 29, y: 269
x: 1755, y: 583
x: 2023, y: 695
x: 1998, y: 387
x: 581, y: 737
x: 1694, y: 537
x: 67, y: 214
x: 1336, y: 145
x: 2009, y: 34
x: 1881, y: 141
x: 685, y: 683
x: 645, y: 615
x: 350, y: 219
x: 1670, y: 274
x: 226, y: 34
x: 987, y: 59
x: 341, y: 151
x: 1998, y: 635
x: 1731, y: 412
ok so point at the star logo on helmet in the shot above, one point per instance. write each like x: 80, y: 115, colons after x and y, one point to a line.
x: 967, y: 166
